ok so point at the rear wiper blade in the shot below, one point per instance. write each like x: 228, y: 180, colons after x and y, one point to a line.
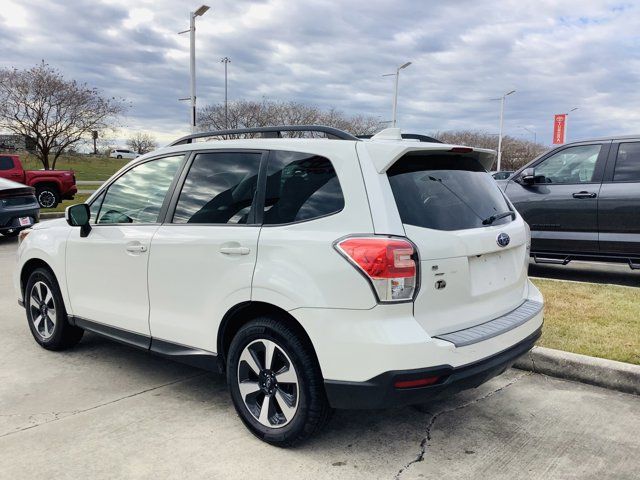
x: 498, y: 216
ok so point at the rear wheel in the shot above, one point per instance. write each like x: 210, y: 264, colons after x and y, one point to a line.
x: 46, y: 314
x: 48, y: 196
x: 276, y: 384
x: 119, y: 157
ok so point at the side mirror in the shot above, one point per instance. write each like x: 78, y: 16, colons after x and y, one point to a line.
x: 79, y: 216
x: 528, y: 176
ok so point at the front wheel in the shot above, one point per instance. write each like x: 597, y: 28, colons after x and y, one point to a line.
x: 275, y: 383
x: 46, y: 314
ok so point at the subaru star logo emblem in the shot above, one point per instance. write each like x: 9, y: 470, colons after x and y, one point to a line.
x: 503, y: 239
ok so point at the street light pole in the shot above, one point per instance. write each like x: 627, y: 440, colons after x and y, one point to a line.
x: 501, y: 124
x: 395, y: 96
x: 226, y: 61
x: 192, y: 59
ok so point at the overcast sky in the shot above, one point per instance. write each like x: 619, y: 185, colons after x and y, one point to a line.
x: 556, y: 54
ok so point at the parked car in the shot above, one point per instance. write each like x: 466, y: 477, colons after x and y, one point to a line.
x: 18, y: 207
x: 502, y: 174
x: 316, y: 273
x: 51, y: 186
x: 582, y: 201
x: 123, y: 153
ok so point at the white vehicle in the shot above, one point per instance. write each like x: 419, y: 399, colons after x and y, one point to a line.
x: 316, y: 273
x: 123, y: 153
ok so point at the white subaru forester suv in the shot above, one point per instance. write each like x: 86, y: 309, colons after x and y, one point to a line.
x: 318, y: 273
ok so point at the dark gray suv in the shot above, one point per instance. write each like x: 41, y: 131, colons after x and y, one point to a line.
x: 582, y: 201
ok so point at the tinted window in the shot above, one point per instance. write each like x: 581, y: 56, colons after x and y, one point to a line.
x: 628, y: 163
x: 219, y: 188
x: 94, y: 208
x: 571, y: 165
x: 300, y: 187
x: 445, y: 192
x: 137, y: 196
x: 6, y: 163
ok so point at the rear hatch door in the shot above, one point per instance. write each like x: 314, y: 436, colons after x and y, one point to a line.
x: 470, y: 240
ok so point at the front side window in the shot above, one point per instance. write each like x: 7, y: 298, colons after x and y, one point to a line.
x: 628, y: 163
x: 300, y: 186
x: 446, y: 192
x: 138, y: 195
x: 219, y: 189
x: 571, y: 165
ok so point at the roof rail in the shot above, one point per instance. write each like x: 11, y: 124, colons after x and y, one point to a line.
x: 269, y: 132
x: 410, y: 136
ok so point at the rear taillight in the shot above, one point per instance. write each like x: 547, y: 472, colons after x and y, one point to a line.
x: 388, y: 263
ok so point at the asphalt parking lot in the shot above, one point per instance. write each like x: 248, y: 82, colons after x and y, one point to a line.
x: 108, y: 411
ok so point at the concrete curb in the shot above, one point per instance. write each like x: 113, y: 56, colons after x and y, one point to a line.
x: 624, y: 377
x: 48, y: 216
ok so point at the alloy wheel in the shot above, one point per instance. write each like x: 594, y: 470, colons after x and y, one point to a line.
x: 268, y: 383
x: 46, y: 199
x: 42, y: 309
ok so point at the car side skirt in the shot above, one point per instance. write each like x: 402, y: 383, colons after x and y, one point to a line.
x: 191, y: 356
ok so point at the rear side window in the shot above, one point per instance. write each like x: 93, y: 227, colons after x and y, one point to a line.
x: 300, y: 187
x: 628, y: 163
x: 6, y: 163
x: 445, y: 192
x: 219, y: 188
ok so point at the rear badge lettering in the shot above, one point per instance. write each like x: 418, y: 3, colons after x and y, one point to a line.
x: 503, y: 239
x: 440, y: 284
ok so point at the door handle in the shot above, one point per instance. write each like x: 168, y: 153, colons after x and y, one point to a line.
x: 235, y: 250
x: 136, y: 248
x: 584, y: 195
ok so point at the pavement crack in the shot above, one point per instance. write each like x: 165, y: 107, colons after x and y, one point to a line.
x: 61, y: 415
x: 427, y: 438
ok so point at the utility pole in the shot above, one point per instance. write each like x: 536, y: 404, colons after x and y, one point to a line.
x: 192, y: 60
x: 226, y: 61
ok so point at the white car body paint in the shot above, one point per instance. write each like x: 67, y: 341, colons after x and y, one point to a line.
x: 191, y: 284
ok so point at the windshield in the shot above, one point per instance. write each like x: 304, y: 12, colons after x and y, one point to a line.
x: 446, y: 192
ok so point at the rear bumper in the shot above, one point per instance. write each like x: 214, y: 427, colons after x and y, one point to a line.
x: 9, y: 219
x: 69, y: 194
x: 379, y: 392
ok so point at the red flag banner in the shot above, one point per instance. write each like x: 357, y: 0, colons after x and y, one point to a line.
x: 559, y: 128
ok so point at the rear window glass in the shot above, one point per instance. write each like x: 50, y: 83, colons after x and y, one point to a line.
x: 628, y: 163
x: 445, y: 192
x: 300, y: 187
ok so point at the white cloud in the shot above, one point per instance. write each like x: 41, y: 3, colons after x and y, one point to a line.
x: 557, y: 55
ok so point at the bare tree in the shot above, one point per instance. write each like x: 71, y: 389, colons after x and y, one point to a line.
x: 515, y: 152
x: 56, y: 113
x: 247, y: 114
x: 142, y: 143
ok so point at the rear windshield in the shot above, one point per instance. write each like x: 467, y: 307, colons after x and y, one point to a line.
x: 446, y: 192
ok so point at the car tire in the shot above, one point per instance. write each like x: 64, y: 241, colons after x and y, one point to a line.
x: 119, y: 157
x: 46, y: 314
x: 48, y: 197
x: 291, y: 388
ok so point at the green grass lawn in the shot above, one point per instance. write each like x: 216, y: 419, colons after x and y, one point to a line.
x: 79, y: 198
x: 86, y: 167
x: 591, y: 319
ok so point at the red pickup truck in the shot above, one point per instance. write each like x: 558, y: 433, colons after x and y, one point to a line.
x: 51, y: 186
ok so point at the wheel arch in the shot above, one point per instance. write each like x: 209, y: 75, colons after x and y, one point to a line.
x: 242, y: 313
x: 29, y: 267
